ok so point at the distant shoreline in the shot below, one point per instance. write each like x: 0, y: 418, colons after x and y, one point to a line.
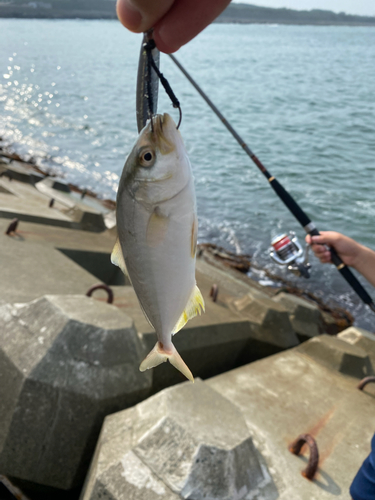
x: 235, y: 13
x: 290, y: 23
x: 86, y: 17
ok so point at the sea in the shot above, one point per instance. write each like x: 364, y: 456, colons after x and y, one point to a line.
x: 301, y: 97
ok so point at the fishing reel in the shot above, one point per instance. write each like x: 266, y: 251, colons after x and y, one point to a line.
x: 286, y: 250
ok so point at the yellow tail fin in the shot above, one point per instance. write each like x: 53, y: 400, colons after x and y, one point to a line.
x: 194, y: 307
x: 158, y: 355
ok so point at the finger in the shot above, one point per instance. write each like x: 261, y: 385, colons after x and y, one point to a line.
x: 141, y: 15
x: 326, y: 237
x: 325, y: 259
x: 323, y: 255
x: 184, y: 21
x: 319, y: 250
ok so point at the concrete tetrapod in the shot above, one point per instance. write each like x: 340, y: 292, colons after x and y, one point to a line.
x: 65, y: 363
x: 335, y: 353
x: 299, y: 392
x: 360, y: 338
x: 185, y: 442
x: 270, y: 320
x: 306, y: 318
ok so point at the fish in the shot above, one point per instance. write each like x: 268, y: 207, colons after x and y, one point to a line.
x: 157, y: 229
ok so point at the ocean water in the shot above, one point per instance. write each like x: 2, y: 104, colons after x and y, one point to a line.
x: 302, y: 97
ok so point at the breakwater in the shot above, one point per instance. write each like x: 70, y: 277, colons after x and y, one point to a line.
x: 68, y: 360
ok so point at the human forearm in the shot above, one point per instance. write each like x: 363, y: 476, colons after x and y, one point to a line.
x: 351, y: 252
x: 365, y: 263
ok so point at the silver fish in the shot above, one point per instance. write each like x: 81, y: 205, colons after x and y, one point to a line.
x: 157, y: 235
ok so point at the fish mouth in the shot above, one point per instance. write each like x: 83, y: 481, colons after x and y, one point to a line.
x: 160, y: 129
x: 158, y: 121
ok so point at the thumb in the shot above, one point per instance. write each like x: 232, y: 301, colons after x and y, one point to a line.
x: 141, y: 15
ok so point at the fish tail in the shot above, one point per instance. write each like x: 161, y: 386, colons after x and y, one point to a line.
x: 160, y: 355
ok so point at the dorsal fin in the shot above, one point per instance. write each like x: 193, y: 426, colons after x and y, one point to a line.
x: 194, y: 307
x: 117, y: 258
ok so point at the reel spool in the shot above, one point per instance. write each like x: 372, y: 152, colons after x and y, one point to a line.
x: 286, y: 250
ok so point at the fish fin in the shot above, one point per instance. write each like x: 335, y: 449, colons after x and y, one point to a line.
x: 117, y: 258
x: 158, y: 355
x: 194, y: 307
x: 156, y: 228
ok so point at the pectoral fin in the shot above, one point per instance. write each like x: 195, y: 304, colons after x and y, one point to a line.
x: 194, y: 307
x: 159, y: 355
x: 157, y: 228
x: 117, y: 258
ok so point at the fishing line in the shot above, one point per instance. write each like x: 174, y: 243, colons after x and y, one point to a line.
x: 150, y: 102
x: 284, y: 196
x: 149, y: 46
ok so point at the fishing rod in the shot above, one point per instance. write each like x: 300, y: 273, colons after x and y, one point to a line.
x: 284, y: 196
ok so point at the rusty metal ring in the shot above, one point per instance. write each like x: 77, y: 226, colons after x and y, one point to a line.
x: 214, y: 292
x: 364, y: 382
x: 12, y: 227
x: 101, y: 286
x: 295, y: 448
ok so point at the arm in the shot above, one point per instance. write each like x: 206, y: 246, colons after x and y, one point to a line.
x: 363, y: 485
x: 175, y: 22
x: 350, y: 251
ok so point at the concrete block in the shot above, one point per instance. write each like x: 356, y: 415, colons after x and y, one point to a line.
x: 23, y: 172
x: 4, y: 160
x: 31, y: 270
x: 59, y: 184
x: 28, y: 204
x: 185, y: 442
x: 65, y: 363
x: 60, y: 238
x: 4, y: 190
x: 306, y: 318
x: 290, y: 394
x: 334, y: 353
x: 88, y: 212
x: 331, y: 325
x: 360, y: 338
x: 85, y: 220
x: 32, y: 205
x: 270, y: 320
x: 99, y: 265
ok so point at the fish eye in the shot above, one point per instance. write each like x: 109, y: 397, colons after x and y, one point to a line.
x: 147, y: 158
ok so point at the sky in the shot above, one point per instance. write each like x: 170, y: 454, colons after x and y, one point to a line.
x: 361, y: 7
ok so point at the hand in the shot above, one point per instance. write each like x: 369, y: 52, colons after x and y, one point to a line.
x: 347, y: 249
x: 350, y: 251
x: 175, y: 22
